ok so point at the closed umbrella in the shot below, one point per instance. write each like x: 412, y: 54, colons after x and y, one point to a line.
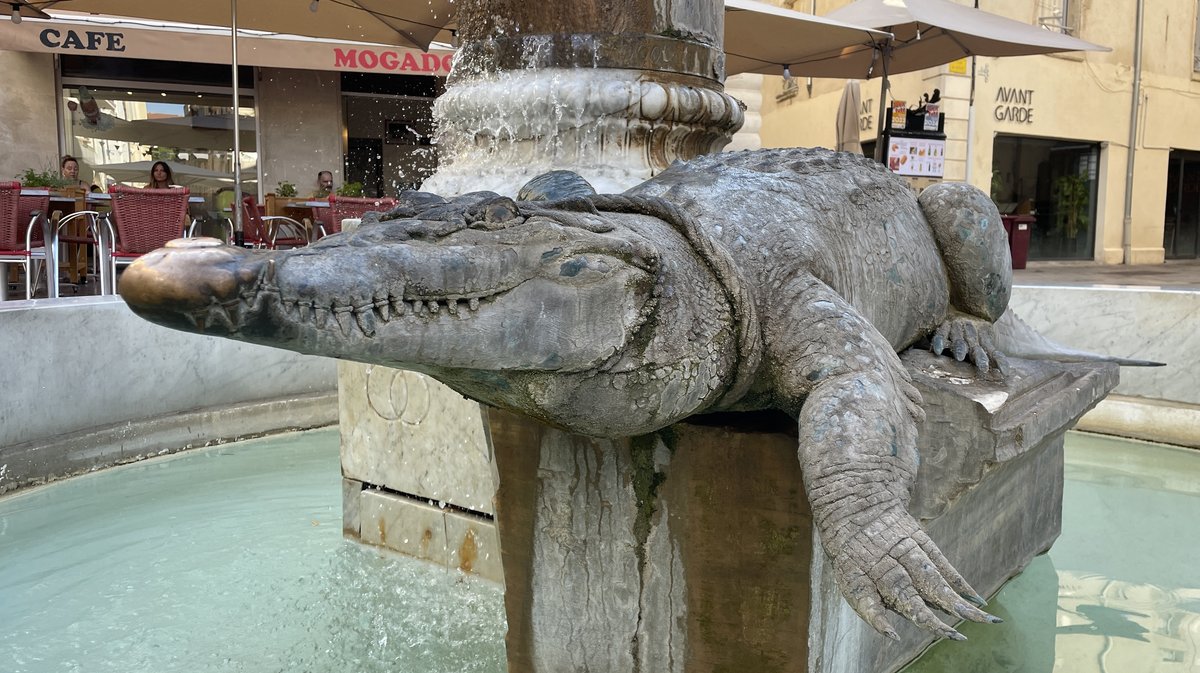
x: 847, y: 118
x: 929, y: 33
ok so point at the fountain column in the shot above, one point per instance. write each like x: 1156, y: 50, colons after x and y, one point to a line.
x: 615, y: 91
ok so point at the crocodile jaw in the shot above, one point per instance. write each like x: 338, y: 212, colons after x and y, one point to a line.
x: 397, y: 306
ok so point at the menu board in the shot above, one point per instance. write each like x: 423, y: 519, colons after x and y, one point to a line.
x: 917, y: 156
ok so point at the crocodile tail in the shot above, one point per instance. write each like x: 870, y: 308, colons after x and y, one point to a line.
x: 1015, y: 338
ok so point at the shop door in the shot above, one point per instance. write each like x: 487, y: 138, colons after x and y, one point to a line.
x: 1181, y: 222
x: 1056, y: 182
x: 364, y: 164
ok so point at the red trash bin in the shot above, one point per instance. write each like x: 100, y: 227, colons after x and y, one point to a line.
x: 1018, y: 228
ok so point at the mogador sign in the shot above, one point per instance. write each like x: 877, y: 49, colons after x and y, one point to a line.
x: 393, y: 61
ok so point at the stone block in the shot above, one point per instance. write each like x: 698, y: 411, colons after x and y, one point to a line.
x: 404, y: 525
x: 351, y: 501
x: 473, y: 546
x: 693, y: 549
x: 408, y: 433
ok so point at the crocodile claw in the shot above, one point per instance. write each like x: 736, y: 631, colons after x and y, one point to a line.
x: 969, y: 338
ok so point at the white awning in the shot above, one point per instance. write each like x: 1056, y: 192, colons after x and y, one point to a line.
x: 84, y: 35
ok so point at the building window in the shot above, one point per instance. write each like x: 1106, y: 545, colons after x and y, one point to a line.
x: 1059, y: 15
x: 118, y: 133
x: 1054, y: 181
x: 1196, y: 49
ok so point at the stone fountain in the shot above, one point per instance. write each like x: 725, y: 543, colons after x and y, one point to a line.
x: 633, y: 535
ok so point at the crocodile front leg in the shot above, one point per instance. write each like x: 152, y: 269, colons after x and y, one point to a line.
x: 858, y: 452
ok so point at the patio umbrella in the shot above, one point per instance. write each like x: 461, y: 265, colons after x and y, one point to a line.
x: 847, y: 118
x: 929, y: 33
x: 765, y: 39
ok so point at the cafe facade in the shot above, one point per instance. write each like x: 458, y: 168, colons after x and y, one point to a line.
x: 120, y: 94
x: 1050, y: 136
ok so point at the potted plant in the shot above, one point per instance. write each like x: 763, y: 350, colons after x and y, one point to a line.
x: 350, y: 189
x: 1071, y: 197
x: 48, y: 178
x: 285, y: 190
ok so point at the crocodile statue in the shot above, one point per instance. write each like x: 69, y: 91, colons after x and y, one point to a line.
x: 777, y: 279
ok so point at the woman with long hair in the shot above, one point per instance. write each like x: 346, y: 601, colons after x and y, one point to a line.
x: 160, y: 176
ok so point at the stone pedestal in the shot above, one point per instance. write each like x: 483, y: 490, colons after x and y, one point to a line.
x: 692, y: 549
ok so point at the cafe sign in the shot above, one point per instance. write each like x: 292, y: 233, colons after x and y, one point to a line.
x: 205, y: 44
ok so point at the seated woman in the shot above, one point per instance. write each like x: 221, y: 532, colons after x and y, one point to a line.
x: 68, y: 167
x: 161, y: 176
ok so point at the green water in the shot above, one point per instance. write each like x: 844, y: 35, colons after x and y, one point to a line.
x: 232, y: 559
x: 225, y: 559
x: 1120, y: 590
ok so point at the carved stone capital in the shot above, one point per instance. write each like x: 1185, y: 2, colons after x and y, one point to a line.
x: 616, y: 127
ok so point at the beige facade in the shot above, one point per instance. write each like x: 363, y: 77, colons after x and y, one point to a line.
x: 28, y: 130
x: 1070, y: 97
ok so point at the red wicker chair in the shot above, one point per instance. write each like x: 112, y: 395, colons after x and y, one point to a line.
x: 21, y: 236
x: 146, y: 219
x: 270, y: 231
x: 347, y: 207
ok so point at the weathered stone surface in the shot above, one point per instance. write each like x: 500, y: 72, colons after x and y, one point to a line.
x: 409, y: 433
x: 781, y: 280
x: 693, y: 549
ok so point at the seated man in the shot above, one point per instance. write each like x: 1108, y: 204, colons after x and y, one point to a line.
x: 324, y: 185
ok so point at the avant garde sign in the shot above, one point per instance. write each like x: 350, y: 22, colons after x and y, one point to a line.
x: 1014, y: 105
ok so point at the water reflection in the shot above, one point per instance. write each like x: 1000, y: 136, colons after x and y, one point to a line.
x: 1123, y: 573
x: 229, y: 559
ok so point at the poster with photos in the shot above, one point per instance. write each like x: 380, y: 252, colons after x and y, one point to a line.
x: 919, y: 157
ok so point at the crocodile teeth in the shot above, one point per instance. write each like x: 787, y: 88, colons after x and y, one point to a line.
x: 434, y: 307
x: 289, y: 309
x: 474, y: 303
x: 321, y: 316
x: 418, y: 306
x: 366, y: 322
x: 220, y: 315
x: 452, y: 305
x: 343, y: 320
x: 270, y: 274
x: 382, y: 309
x: 398, y: 305
x: 305, y: 310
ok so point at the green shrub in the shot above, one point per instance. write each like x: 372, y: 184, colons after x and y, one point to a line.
x: 350, y: 189
x: 45, y: 178
x: 285, y: 190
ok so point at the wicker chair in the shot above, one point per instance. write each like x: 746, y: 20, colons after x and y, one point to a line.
x: 347, y: 207
x: 21, y: 234
x: 270, y: 231
x: 146, y: 219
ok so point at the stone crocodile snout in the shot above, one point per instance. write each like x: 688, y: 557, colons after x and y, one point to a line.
x: 196, y: 283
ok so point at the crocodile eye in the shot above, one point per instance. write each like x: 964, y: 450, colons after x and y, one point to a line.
x: 582, y: 267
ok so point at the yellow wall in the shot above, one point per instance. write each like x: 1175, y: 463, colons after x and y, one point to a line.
x: 1083, y: 96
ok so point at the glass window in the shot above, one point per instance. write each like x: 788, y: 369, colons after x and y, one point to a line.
x: 1196, y: 49
x: 1055, y: 181
x: 1059, y: 15
x: 117, y: 133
